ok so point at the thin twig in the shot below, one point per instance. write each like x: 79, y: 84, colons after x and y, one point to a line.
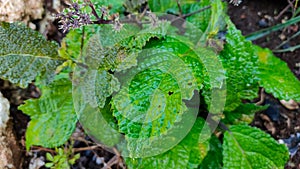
x: 192, y: 13
x: 93, y: 9
x: 283, y: 11
x: 286, y: 41
x: 195, y: 12
x: 85, y: 148
x: 111, y: 162
x: 82, y: 41
x: 179, y: 7
x: 36, y: 148
x: 290, y: 49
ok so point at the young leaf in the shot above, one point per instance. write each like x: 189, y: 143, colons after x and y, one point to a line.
x: 161, y: 79
x: 103, y: 51
x: 49, y: 165
x: 241, y: 65
x: 187, y: 154
x: 161, y: 5
x: 49, y: 157
x: 73, y: 45
x: 276, y: 77
x: 201, y: 19
x: 247, y: 147
x: 53, y: 118
x: 25, y: 54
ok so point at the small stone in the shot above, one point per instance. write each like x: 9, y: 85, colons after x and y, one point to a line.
x: 268, y: 17
x: 99, y: 160
x: 282, y: 37
x: 36, y: 163
x: 263, y: 23
x: 4, y: 111
x: 259, y: 13
x: 243, y: 16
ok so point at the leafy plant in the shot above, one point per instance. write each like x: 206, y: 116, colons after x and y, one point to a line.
x: 137, y: 82
x: 62, y: 160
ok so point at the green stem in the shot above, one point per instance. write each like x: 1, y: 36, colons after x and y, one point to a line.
x: 290, y: 49
x: 264, y: 32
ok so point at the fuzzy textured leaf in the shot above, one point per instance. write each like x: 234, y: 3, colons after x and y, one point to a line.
x: 157, y: 76
x: 71, y: 45
x: 188, y: 154
x: 25, y: 54
x: 276, y: 77
x: 210, y: 20
x: 161, y: 5
x: 247, y: 147
x: 53, y: 117
x: 241, y: 65
x: 151, y: 98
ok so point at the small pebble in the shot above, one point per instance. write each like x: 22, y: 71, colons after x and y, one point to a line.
x: 263, y: 23
x: 282, y: 37
x: 99, y: 160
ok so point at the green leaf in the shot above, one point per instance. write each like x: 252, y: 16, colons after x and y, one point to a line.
x: 25, y: 54
x: 282, y: 83
x: 73, y: 45
x: 53, y: 118
x: 201, y: 19
x: 247, y: 147
x: 151, y: 98
x: 49, y: 157
x: 211, y: 18
x: 105, y: 52
x: 161, y: 5
x: 157, y: 86
x: 241, y: 65
x: 187, y: 154
x: 244, y: 113
x: 99, y: 123
x: 213, y: 159
x: 49, y: 165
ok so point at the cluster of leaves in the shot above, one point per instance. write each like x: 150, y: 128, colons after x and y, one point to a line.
x: 113, y: 57
x: 62, y: 160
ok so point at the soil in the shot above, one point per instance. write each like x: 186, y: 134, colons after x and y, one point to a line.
x: 249, y: 16
x: 254, y: 15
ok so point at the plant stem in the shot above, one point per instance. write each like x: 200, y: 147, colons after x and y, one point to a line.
x: 284, y: 42
x: 290, y: 49
x: 263, y: 32
x: 195, y: 12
